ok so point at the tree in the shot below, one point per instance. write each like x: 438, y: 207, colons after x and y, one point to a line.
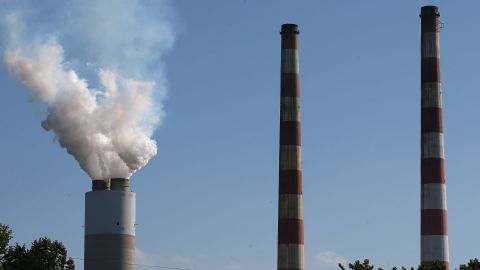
x: 5, y: 237
x: 44, y: 254
x: 358, y: 266
x: 473, y: 264
x: 16, y: 257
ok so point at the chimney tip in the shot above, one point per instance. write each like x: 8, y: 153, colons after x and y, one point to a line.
x: 289, y: 28
x: 429, y: 11
x: 119, y: 184
x: 98, y: 184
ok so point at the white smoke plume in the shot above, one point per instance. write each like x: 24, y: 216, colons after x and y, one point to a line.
x: 106, y: 127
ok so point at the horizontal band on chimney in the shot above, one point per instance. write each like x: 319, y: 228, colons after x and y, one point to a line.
x: 433, y: 170
x: 432, y: 119
x: 290, y: 133
x: 432, y: 95
x: 433, y: 146
x: 289, y: 58
x: 290, y: 256
x: 434, y: 222
x: 430, y: 70
x: 289, y: 85
x: 431, y: 45
x: 290, y: 206
x: 434, y: 248
x: 290, y: 109
x: 434, y: 196
x: 290, y: 182
x: 290, y: 231
x: 290, y: 157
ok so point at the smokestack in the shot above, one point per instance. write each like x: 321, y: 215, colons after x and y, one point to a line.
x: 290, y: 209
x: 110, y: 226
x: 434, y: 235
x: 100, y: 185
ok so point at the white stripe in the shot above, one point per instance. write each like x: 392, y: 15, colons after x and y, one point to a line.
x: 290, y: 109
x: 431, y: 45
x: 433, y: 145
x: 290, y: 61
x: 290, y: 206
x: 290, y: 256
x: 434, y: 196
x: 432, y: 95
x: 110, y: 212
x: 434, y: 248
x: 290, y: 157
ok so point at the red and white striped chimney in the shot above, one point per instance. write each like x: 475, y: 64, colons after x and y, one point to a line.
x: 290, y: 207
x: 434, y: 235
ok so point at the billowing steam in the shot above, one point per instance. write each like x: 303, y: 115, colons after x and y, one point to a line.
x: 104, y: 130
x: 108, y: 127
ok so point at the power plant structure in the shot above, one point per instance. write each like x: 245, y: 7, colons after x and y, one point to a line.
x: 290, y: 253
x: 110, y: 226
x: 110, y: 206
x: 434, y: 230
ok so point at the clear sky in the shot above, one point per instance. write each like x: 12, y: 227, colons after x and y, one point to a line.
x: 208, y: 200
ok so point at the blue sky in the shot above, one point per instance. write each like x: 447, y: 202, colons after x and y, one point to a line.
x: 208, y: 200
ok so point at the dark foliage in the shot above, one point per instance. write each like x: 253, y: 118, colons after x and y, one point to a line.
x: 474, y: 264
x: 44, y: 254
x: 5, y: 237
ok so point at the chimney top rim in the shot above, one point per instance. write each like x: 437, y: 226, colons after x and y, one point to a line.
x: 429, y: 11
x: 100, y: 184
x: 289, y: 28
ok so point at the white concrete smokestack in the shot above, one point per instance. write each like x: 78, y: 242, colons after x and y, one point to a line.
x: 110, y: 226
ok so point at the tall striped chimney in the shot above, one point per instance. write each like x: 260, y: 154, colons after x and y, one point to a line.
x: 434, y: 236
x: 290, y: 209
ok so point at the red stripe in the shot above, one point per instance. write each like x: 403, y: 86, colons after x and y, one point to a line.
x: 430, y: 23
x: 290, y: 182
x: 430, y: 26
x: 430, y: 69
x: 289, y: 40
x: 290, y: 85
x: 290, y: 133
x: 432, y: 120
x: 290, y: 231
x: 433, y: 171
x: 428, y: 264
x: 434, y: 222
